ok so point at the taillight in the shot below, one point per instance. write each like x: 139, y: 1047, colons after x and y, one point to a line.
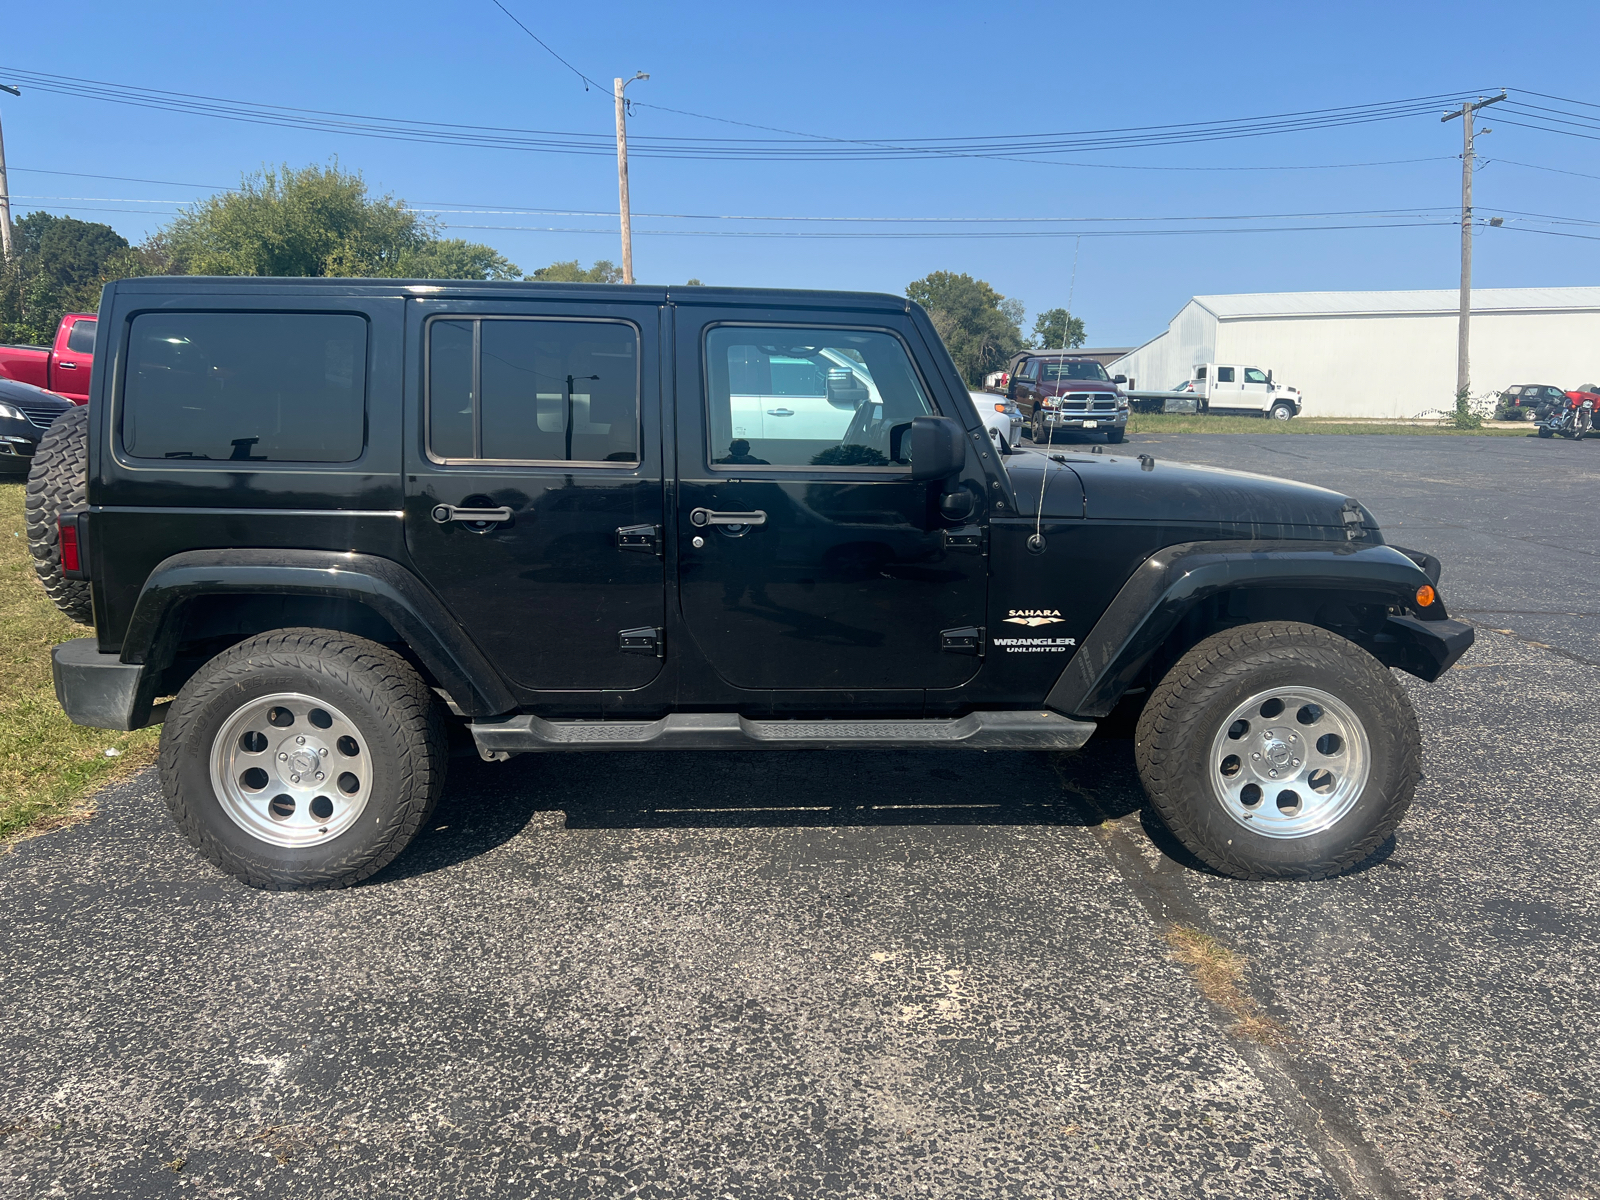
x: 69, y: 547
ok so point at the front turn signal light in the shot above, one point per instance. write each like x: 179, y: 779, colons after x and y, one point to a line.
x: 1426, y: 596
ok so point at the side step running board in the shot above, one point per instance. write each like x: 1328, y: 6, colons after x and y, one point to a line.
x: 1031, y: 730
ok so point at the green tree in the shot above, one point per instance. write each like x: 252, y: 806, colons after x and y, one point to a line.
x: 603, y: 271
x: 317, y: 221
x: 58, y: 265
x: 980, y: 327
x: 1056, y: 328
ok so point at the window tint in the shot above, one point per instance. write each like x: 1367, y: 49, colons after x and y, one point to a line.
x: 1251, y: 375
x: 258, y: 387
x: 860, y: 386
x: 528, y: 390
x: 80, y: 338
x: 1199, y: 372
x: 1031, y: 371
x: 1057, y: 371
x: 1224, y: 374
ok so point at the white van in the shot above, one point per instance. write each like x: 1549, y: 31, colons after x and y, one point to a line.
x: 1234, y: 388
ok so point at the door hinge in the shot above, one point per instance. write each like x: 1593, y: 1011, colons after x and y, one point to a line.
x: 964, y: 537
x: 640, y: 641
x: 644, y: 539
x: 966, y: 640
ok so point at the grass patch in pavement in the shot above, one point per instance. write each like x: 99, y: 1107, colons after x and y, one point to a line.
x: 1206, y: 423
x: 1219, y: 973
x: 47, y: 764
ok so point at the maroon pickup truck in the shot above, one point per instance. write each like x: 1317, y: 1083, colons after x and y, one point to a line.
x: 62, y: 368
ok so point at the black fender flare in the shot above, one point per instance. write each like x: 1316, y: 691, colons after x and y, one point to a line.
x: 382, y: 585
x: 1173, y: 580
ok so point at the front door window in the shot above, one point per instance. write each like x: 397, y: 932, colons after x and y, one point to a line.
x: 809, y: 398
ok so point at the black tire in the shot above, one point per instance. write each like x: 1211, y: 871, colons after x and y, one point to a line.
x: 1286, y: 409
x: 393, y: 711
x: 58, y: 480
x: 1174, y: 746
x: 1544, y: 431
x: 1114, y: 436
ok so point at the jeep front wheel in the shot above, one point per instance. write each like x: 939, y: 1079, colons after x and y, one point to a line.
x: 303, y: 758
x: 1279, y: 751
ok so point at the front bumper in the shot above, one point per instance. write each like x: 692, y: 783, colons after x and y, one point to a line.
x: 1052, y: 419
x: 100, y: 690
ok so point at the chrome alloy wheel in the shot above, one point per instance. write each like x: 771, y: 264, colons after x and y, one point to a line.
x: 291, y: 770
x: 1289, y: 762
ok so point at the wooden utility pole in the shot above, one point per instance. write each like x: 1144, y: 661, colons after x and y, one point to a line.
x: 622, y: 175
x: 1463, y: 339
x: 5, y: 190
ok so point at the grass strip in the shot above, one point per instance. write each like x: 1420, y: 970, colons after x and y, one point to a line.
x: 1219, y: 974
x: 48, y: 765
x: 1206, y: 423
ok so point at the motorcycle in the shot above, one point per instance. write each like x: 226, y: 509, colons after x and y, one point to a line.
x: 1572, y: 418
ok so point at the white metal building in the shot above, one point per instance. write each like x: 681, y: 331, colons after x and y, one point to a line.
x: 1380, y: 354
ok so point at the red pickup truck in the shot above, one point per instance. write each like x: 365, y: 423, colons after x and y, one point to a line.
x: 62, y: 368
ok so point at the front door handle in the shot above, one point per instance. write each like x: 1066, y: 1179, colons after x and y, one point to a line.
x: 445, y: 513
x: 780, y: 412
x: 701, y: 517
x: 67, y: 366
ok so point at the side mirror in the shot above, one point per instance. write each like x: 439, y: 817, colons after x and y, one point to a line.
x: 1119, y: 379
x: 938, y: 448
x: 1269, y: 378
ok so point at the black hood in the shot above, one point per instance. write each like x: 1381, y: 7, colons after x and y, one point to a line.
x: 1127, y: 487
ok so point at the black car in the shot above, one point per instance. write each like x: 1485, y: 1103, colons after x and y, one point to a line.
x: 25, y: 413
x: 1526, y: 401
x: 334, y: 518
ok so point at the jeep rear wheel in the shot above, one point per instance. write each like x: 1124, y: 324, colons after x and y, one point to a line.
x: 303, y: 758
x: 1279, y: 751
x: 58, y: 480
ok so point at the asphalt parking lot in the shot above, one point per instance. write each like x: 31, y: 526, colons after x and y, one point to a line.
x: 876, y: 973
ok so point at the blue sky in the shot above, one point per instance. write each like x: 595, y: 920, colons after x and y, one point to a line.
x: 866, y: 71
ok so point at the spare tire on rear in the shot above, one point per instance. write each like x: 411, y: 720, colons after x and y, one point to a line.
x: 58, y: 481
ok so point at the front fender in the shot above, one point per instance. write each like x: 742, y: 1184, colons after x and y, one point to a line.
x: 1172, y: 581
x: 380, y: 584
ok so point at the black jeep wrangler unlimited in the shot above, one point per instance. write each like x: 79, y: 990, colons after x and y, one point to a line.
x: 330, y: 517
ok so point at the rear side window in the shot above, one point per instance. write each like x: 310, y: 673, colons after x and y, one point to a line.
x: 246, y: 387
x: 80, y: 338
x: 528, y: 390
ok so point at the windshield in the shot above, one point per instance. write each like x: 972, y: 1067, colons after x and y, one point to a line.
x: 1056, y: 371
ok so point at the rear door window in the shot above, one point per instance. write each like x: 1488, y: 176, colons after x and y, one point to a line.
x: 246, y: 387
x: 528, y: 390
x: 1224, y: 375
x: 80, y: 338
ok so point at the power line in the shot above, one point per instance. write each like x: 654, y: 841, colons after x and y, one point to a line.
x: 215, y: 187
x: 586, y: 80
x: 1535, y: 167
x: 743, y: 149
x: 1044, y: 233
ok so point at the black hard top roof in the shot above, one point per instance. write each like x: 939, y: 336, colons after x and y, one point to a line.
x: 219, y: 285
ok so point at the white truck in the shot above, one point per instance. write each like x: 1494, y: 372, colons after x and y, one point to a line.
x: 1235, y: 388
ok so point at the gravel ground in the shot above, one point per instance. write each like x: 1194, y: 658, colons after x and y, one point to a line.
x: 871, y: 973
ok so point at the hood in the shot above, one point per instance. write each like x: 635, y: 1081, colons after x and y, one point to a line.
x: 1122, y: 487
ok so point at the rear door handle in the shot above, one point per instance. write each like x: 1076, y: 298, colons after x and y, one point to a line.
x: 445, y: 513
x: 701, y: 517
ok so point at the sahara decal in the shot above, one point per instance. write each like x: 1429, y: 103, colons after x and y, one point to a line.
x: 1032, y: 617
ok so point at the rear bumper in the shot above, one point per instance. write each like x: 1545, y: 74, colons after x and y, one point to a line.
x: 100, y: 690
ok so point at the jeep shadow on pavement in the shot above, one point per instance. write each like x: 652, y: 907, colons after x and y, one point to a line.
x: 333, y: 518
